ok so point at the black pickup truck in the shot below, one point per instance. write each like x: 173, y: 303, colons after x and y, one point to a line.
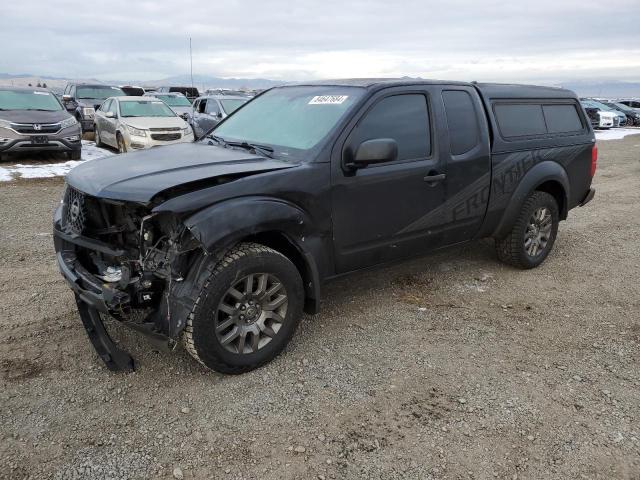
x: 223, y: 243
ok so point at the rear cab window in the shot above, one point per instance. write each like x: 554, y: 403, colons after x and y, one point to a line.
x: 462, y: 121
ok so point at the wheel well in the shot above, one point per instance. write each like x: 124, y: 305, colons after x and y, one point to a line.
x: 281, y: 243
x: 556, y: 190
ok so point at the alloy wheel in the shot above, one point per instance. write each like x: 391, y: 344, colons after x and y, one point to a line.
x: 122, y: 148
x: 538, y: 232
x: 251, y: 313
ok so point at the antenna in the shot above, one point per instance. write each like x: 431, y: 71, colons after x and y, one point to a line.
x: 191, y: 62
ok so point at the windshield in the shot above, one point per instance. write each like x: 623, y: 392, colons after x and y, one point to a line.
x: 602, y: 106
x: 289, y: 119
x: 28, y: 100
x: 99, y: 92
x: 174, y: 100
x: 623, y: 107
x: 145, y: 108
x: 230, y: 105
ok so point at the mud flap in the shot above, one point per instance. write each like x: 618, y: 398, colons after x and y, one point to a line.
x: 115, y: 359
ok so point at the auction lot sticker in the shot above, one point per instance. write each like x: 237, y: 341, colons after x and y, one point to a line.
x: 328, y: 99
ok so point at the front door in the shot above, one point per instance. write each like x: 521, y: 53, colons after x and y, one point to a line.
x: 211, y: 116
x: 109, y: 127
x: 390, y: 210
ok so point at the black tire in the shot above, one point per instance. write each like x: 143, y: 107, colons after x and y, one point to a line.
x: 202, y: 333
x: 96, y: 136
x: 75, y: 154
x: 515, y: 249
x: 122, y: 147
x: 82, y: 129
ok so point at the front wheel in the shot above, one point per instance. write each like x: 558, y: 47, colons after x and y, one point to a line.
x: 96, y: 136
x: 247, y: 310
x: 533, y: 234
x: 122, y: 146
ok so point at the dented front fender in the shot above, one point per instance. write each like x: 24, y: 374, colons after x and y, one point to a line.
x: 222, y: 224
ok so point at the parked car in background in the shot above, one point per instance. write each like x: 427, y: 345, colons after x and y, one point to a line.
x: 619, y: 120
x: 635, y: 104
x: 134, y: 123
x: 33, y: 119
x: 224, y: 242
x: 210, y: 110
x: 190, y: 92
x: 83, y: 99
x: 600, y: 118
x: 133, y: 91
x: 633, y: 115
x: 228, y: 91
x: 176, y: 102
x: 593, y: 114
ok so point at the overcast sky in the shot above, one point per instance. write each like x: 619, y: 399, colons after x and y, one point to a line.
x: 542, y: 40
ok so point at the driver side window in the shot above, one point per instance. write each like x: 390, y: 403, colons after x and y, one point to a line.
x: 212, y: 107
x: 404, y: 118
x: 202, y: 105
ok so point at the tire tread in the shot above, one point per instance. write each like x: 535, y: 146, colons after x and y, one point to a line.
x: 212, y: 271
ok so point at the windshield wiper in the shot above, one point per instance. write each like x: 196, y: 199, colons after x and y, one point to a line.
x: 218, y: 139
x: 262, y: 149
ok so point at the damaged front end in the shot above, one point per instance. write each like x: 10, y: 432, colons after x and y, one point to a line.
x: 125, y: 261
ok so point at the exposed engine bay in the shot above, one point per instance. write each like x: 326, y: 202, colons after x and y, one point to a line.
x: 134, y: 257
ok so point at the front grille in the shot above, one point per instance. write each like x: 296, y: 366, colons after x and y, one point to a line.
x: 169, y: 129
x: 165, y: 137
x: 30, y: 128
x: 74, y: 214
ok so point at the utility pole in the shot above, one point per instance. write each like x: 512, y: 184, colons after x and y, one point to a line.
x: 191, y: 61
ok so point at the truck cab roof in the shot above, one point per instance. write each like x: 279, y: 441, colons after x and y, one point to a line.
x: 490, y: 90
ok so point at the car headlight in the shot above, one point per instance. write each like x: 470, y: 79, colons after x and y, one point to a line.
x: 5, y: 124
x: 88, y: 111
x: 187, y: 130
x: 68, y: 122
x: 137, y: 132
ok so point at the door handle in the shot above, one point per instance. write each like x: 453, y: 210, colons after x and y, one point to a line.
x: 433, y: 179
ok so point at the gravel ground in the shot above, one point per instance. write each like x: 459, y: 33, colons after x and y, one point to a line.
x: 451, y: 366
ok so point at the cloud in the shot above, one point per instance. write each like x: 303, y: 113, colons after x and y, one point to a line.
x: 491, y: 40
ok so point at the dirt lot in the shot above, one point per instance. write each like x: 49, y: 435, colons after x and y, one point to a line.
x: 452, y: 366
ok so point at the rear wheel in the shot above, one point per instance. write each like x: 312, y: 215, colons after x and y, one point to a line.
x: 247, y: 310
x: 122, y: 146
x: 533, y: 234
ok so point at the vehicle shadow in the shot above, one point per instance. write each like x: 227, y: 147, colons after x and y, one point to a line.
x: 349, y: 294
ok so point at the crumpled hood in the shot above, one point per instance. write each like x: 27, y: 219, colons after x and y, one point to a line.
x: 139, y: 176
x: 34, y: 116
x: 154, y: 122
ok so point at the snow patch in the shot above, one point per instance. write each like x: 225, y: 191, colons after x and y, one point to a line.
x: 615, y: 133
x: 59, y: 169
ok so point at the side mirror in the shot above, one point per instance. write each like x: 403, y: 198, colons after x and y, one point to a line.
x: 219, y: 115
x: 67, y: 98
x: 110, y: 115
x: 378, y: 150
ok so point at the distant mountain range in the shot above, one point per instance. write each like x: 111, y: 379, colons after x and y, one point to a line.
x: 583, y: 88
x: 199, y: 81
x: 604, y: 89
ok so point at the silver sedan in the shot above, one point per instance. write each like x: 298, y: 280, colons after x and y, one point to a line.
x: 133, y: 123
